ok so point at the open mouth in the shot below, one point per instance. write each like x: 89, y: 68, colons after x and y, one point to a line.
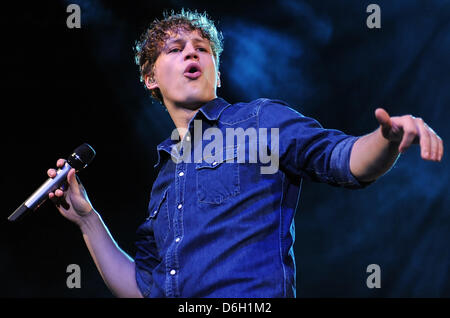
x: 193, y: 71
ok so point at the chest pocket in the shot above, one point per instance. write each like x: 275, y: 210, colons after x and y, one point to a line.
x: 159, y: 219
x: 218, y: 179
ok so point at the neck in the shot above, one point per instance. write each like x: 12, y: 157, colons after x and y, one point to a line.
x: 181, y: 115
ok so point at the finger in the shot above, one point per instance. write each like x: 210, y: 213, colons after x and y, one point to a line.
x: 410, y: 132
x: 437, y: 151
x: 59, y: 199
x: 54, y: 199
x: 383, y: 117
x: 51, y: 173
x: 441, y: 148
x: 437, y: 146
x: 425, y: 140
x: 434, y: 153
x: 60, y: 163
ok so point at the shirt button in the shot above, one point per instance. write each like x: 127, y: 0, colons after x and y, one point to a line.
x: 214, y: 163
x: 181, y: 174
x: 177, y: 239
x: 173, y: 272
x: 180, y: 206
x: 188, y: 138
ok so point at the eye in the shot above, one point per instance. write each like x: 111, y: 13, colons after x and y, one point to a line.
x: 202, y: 49
x: 174, y: 50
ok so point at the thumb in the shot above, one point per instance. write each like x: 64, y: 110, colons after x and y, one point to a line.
x: 383, y: 118
x: 72, y: 180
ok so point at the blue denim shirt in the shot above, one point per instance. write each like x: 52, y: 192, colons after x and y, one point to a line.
x: 221, y: 228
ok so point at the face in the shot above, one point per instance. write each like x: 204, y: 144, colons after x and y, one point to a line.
x: 185, y: 71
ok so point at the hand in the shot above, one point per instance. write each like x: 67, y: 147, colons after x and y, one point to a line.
x: 408, y: 130
x: 71, y: 198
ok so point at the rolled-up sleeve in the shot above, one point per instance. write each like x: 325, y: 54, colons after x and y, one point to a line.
x: 340, y: 165
x: 306, y: 149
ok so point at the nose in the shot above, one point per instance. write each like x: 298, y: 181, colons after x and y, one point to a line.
x: 191, y: 53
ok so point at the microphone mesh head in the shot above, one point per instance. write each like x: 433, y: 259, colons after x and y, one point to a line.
x: 81, y: 157
x: 86, y: 153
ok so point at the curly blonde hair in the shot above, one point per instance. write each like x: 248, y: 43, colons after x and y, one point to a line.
x: 152, y: 40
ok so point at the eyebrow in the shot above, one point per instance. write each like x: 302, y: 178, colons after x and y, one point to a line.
x: 180, y: 41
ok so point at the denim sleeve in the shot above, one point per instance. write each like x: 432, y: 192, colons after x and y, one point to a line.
x: 145, y: 259
x: 340, y: 165
x: 306, y: 149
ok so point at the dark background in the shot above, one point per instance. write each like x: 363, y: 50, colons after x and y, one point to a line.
x: 62, y: 87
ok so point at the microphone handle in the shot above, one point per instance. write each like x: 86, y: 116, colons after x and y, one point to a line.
x: 41, y: 194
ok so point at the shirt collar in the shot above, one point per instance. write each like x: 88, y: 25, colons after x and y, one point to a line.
x: 211, y: 110
x: 214, y: 108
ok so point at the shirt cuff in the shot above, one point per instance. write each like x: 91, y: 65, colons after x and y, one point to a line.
x: 340, y: 165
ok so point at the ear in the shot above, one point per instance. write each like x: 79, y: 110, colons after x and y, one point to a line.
x: 150, y: 82
x: 219, y: 83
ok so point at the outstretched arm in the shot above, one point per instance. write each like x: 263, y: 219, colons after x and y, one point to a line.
x: 374, y: 154
x: 115, y: 266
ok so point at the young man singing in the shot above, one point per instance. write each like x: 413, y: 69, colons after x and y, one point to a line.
x: 218, y: 224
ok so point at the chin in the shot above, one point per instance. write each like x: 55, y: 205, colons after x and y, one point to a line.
x: 198, y: 99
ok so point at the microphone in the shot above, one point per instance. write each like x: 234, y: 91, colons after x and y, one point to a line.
x: 79, y: 159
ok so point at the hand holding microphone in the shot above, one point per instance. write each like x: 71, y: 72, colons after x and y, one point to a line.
x: 71, y: 198
x: 73, y: 202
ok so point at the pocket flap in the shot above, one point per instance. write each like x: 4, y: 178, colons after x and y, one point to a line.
x: 154, y: 209
x: 218, y: 157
